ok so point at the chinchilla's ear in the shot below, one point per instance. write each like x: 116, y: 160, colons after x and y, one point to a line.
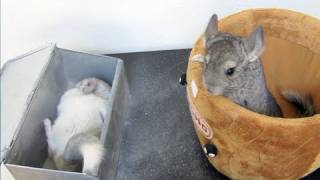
x: 255, y: 44
x: 212, y: 28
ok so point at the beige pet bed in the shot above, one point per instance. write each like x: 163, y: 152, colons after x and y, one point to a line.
x: 251, y: 145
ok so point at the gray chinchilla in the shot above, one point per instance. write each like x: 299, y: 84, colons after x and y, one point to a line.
x: 232, y: 68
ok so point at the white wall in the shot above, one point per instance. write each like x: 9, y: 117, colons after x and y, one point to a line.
x: 108, y: 26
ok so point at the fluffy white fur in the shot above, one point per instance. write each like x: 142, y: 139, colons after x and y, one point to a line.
x: 92, y: 156
x: 81, y: 110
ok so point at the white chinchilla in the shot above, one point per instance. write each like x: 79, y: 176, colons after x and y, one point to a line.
x: 74, y: 135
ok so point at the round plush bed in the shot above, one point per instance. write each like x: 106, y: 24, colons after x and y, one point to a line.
x: 251, y: 145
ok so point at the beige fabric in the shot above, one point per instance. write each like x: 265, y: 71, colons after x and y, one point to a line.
x: 252, y: 145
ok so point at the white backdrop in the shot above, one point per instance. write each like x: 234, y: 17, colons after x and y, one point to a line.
x: 110, y: 26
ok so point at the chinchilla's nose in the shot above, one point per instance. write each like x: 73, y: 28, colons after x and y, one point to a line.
x: 215, y: 86
x: 216, y: 90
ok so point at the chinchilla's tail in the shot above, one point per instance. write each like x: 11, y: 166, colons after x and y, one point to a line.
x: 88, y: 148
x: 302, y: 103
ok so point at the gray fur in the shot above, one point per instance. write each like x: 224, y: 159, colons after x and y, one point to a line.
x: 302, y: 103
x: 246, y: 86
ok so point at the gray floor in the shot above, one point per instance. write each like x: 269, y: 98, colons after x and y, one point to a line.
x: 159, y: 141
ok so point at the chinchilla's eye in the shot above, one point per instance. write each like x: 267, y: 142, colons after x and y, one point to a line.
x: 230, y: 71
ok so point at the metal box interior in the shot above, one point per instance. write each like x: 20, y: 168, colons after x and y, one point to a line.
x: 60, y: 69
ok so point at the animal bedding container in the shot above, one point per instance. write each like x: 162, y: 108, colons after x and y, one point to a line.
x: 31, y: 86
x: 254, y: 146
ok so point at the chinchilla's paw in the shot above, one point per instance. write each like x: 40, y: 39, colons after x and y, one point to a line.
x: 47, y: 122
x: 90, y: 172
x: 47, y: 125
